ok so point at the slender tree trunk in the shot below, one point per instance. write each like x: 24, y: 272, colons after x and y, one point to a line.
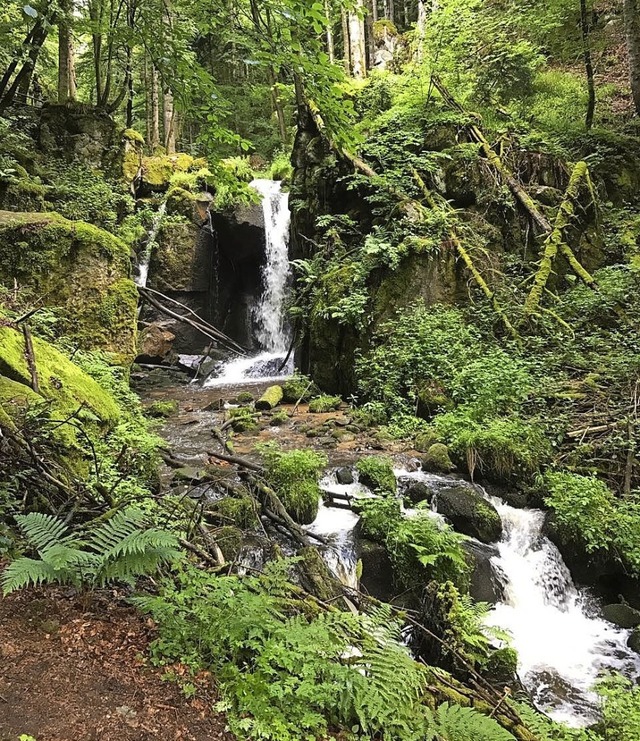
x: 357, y: 42
x: 632, y: 33
x: 368, y: 27
x: 405, y: 9
x: 331, y: 51
x: 588, y: 64
x: 346, y: 48
x: 374, y: 10
x: 421, y: 27
x: 169, y: 122
x: 26, y: 72
x: 66, y: 75
x: 154, y: 138
x: 278, y: 107
x: 13, y: 65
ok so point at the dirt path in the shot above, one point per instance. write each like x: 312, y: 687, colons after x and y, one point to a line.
x: 70, y: 674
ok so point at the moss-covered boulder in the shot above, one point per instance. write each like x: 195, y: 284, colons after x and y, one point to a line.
x: 376, y: 472
x: 78, y: 267
x: 60, y: 380
x: 270, y: 399
x: 182, y: 259
x: 437, y: 459
x: 470, y: 513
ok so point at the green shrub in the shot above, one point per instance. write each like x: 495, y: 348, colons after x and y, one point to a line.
x: 376, y: 472
x: 243, y: 419
x: 621, y: 708
x: 294, y: 476
x: 279, y: 418
x: 299, y: 387
x: 324, y: 403
x: 281, y: 168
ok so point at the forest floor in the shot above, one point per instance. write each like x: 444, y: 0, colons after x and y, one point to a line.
x: 74, y: 671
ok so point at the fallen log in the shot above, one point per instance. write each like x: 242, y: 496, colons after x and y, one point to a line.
x: 270, y: 399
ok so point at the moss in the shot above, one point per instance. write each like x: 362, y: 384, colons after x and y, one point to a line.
x: 502, y: 665
x: 425, y: 440
x: 24, y: 194
x: 244, y: 397
x: 60, y: 380
x: 324, y: 403
x: 377, y: 473
x: 181, y: 202
x: 437, y: 459
x: 14, y: 399
x: 243, y: 420
x: 78, y: 267
x: 279, y: 418
x: 270, y: 399
x: 133, y: 136
x: 162, y: 408
x: 299, y: 387
x: 158, y: 170
x: 229, y: 539
x: 384, y: 27
x: 237, y: 511
x: 174, y: 261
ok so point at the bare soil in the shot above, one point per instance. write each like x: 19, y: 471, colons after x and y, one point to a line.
x: 78, y: 672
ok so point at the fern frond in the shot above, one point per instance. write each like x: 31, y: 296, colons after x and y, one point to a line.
x: 455, y: 723
x: 118, y: 527
x: 24, y: 572
x: 42, y: 531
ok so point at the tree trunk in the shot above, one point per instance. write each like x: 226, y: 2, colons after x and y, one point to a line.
x: 357, y: 42
x: 278, y: 107
x: 346, y: 50
x: 588, y: 65
x: 169, y: 122
x: 374, y: 10
x: 154, y: 138
x: 421, y: 27
x: 368, y: 24
x: 38, y: 36
x: 66, y: 74
x: 331, y: 50
x: 632, y: 33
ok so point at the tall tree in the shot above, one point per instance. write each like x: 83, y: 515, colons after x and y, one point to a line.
x: 632, y: 33
x: 66, y: 67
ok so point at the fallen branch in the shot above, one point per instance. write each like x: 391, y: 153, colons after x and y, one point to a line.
x: 242, y: 462
x: 204, y: 327
x: 31, y: 358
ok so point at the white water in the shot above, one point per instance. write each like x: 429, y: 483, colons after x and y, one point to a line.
x: 562, y: 643
x: 269, y: 314
x: 145, y: 257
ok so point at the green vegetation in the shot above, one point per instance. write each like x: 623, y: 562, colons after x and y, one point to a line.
x: 294, y: 475
x: 376, y: 472
x: 324, y: 403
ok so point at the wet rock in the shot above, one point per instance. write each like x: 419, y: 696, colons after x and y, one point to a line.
x: 190, y: 474
x: 417, y: 492
x: 470, y: 513
x: 634, y: 640
x: 487, y: 582
x: 344, y: 476
x: 377, y: 572
x: 622, y: 615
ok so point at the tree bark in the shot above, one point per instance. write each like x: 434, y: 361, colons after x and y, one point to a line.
x: 38, y: 37
x: 632, y: 33
x: 331, y: 49
x: 588, y: 64
x: 154, y: 139
x: 357, y: 42
x: 169, y: 122
x: 66, y: 75
x: 421, y: 27
x: 346, y: 49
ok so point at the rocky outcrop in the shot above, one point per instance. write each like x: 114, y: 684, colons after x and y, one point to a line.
x: 155, y: 344
x: 486, y: 582
x: 76, y: 267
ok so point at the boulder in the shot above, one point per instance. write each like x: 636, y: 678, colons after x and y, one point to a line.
x: 634, y: 640
x: 470, y: 513
x: 622, y: 615
x: 155, y: 343
x: 437, y: 459
x: 344, y: 476
x: 418, y: 491
x: 77, y: 267
x: 377, y: 571
x: 487, y: 582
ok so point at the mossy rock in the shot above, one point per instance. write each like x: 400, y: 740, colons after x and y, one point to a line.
x: 158, y: 169
x: 324, y: 403
x: 470, y: 513
x: 78, y: 267
x: 60, y: 380
x: 424, y: 440
x: 15, y: 398
x: 23, y: 194
x: 162, y: 408
x: 437, y: 459
x: 376, y: 473
x: 299, y: 388
x: 622, y: 615
x: 229, y: 540
x: 181, y: 260
x: 502, y: 666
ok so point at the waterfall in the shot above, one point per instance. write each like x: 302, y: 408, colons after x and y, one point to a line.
x: 269, y: 314
x: 562, y: 643
x: 145, y: 257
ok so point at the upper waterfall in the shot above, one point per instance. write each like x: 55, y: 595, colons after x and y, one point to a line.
x: 269, y: 314
x: 272, y: 330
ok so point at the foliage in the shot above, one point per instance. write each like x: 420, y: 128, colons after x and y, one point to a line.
x: 621, y: 710
x: 287, y: 673
x: 120, y: 548
x: 324, y: 403
x: 376, y: 472
x: 294, y: 475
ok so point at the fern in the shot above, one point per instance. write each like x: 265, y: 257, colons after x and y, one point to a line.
x: 119, y: 549
x: 455, y: 723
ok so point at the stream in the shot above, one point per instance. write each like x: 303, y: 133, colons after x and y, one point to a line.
x: 562, y: 641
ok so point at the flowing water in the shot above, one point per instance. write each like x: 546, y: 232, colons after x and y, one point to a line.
x: 562, y: 642
x: 145, y: 258
x: 269, y: 314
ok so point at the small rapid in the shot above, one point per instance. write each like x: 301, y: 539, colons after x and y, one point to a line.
x: 269, y: 314
x: 142, y: 275
x: 562, y: 642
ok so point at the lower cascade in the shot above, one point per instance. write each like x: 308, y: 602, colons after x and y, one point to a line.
x: 563, y: 644
x: 269, y: 314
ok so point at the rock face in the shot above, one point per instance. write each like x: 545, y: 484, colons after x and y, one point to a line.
x: 621, y: 615
x: 486, y: 583
x: 155, y: 344
x: 78, y: 267
x: 469, y: 513
x: 377, y: 571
